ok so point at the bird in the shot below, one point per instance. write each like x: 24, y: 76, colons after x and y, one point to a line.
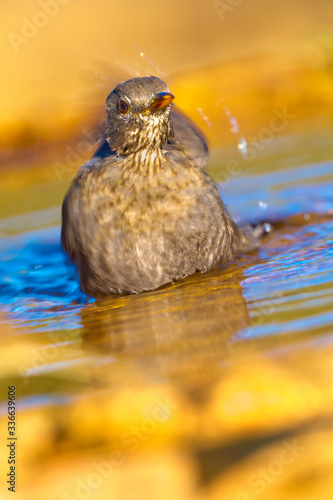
x: 143, y: 212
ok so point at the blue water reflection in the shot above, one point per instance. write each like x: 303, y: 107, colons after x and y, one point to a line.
x: 38, y: 283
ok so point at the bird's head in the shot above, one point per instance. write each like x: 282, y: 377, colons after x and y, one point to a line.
x: 138, y: 115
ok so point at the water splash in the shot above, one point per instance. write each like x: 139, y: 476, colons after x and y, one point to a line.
x: 242, y: 146
x: 235, y: 129
x: 204, y: 117
x: 152, y: 65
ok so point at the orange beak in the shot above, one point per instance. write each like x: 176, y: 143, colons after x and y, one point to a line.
x: 160, y: 101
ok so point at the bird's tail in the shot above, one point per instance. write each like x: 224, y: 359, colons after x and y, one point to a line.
x: 250, y: 237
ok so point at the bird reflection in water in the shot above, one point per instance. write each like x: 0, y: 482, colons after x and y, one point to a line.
x: 181, y: 330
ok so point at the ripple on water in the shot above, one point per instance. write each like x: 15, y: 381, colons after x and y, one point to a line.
x: 292, y: 287
x: 39, y: 285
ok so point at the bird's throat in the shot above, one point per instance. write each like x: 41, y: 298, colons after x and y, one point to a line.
x: 147, y: 161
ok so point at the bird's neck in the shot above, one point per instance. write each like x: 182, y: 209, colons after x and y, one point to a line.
x: 147, y: 160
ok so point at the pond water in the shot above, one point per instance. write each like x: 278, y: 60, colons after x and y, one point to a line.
x: 280, y: 296
x: 227, y: 355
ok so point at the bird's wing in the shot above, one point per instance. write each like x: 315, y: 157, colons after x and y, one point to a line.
x: 74, y: 221
x: 190, y: 138
x: 104, y: 150
x: 70, y: 213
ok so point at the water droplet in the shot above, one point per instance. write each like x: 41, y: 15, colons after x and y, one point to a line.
x: 242, y: 146
x: 234, y: 129
x: 204, y: 117
x: 262, y: 204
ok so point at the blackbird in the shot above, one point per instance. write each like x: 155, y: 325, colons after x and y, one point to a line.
x: 143, y: 212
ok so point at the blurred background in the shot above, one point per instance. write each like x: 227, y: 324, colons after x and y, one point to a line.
x: 218, y: 386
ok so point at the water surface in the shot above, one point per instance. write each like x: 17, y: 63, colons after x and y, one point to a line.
x: 279, y: 295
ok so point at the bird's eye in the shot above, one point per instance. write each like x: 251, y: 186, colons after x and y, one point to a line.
x: 123, y: 107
